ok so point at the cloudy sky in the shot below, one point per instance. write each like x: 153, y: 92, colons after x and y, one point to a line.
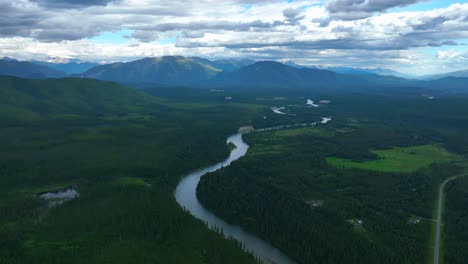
x: 412, y: 36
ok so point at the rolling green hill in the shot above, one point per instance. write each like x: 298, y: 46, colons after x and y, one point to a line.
x: 275, y: 74
x: 26, y: 69
x: 24, y: 100
x: 124, y: 151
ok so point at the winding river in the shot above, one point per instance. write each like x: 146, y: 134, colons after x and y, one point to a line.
x: 185, y: 195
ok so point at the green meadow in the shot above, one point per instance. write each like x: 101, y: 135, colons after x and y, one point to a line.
x: 405, y: 159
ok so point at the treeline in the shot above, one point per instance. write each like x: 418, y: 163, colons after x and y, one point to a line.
x: 455, y: 228
x: 443, y: 119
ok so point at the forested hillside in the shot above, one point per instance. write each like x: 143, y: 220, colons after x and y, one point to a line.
x: 123, y: 151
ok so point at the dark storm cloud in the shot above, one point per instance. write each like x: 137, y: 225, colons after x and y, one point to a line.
x: 44, y: 20
x: 358, y: 9
x: 144, y: 36
x: 40, y: 26
x: 293, y: 15
x: 449, y: 43
x: 72, y: 3
x: 350, y: 40
x: 354, y: 57
x: 199, y: 28
x: 52, y: 35
x: 431, y: 23
x: 431, y: 38
x: 213, y: 25
x: 343, y: 43
x: 194, y: 33
x: 17, y: 20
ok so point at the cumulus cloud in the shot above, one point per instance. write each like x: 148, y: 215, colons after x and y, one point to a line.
x: 451, y: 54
x: 45, y: 21
x: 232, y: 28
x: 145, y: 35
x: 392, y: 31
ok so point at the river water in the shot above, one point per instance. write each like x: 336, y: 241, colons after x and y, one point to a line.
x: 185, y: 195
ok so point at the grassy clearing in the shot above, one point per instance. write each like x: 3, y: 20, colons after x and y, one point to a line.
x: 303, y: 131
x: 267, y: 149
x: 131, y: 181
x: 407, y: 159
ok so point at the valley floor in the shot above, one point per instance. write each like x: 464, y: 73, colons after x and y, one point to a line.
x: 108, y: 159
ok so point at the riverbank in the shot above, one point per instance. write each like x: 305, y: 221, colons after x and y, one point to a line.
x: 186, y: 197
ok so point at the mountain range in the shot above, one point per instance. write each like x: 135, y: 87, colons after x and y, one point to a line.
x: 365, y: 71
x: 355, y: 71
x: 276, y: 74
x: 200, y: 72
x: 458, y: 74
x: 28, y: 70
x: 166, y: 70
x: 227, y: 65
x: 68, y: 66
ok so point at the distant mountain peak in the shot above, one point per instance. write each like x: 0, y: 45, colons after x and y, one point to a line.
x: 61, y: 60
x: 293, y: 64
x: 165, y: 70
x: 268, y: 65
x: 268, y: 62
x: 461, y: 74
x: 367, y: 71
x: 277, y: 74
x: 227, y: 65
x: 57, y: 60
x: 66, y: 65
x: 26, y: 69
x: 8, y: 59
x: 166, y: 58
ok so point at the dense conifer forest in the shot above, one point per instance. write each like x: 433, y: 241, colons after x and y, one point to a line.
x: 287, y: 190
x: 321, y: 194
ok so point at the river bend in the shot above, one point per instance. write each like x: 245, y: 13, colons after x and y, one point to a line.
x: 186, y: 196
